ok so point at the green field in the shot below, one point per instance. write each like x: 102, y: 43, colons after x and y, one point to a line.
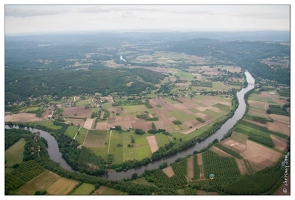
x: 239, y: 137
x: 192, y: 134
x: 142, y: 147
x: 194, y: 110
x: 256, y: 97
x: 15, y: 153
x: 134, y: 109
x: 222, y: 107
x: 47, y: 123
x: 107, y: 105
x: 96, y: 138
x: 162, y: 139
x: 139, y: 151
x: 29, y: 109
x: 185, y: 75
x: 84, y: 189
x: 128, y: 152
x: 116, y: 139
x: 142, y: 181
x: 100, y: 151
x: 94, y: 109
x: 180, y: 115
x: 71, y: 131
x: 83, y: 102
x: 81, y: 136
x: 212, y: 113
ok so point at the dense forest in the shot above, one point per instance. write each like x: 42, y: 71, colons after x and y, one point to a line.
x: 59, y: 83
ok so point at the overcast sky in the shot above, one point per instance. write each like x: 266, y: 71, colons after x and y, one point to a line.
x: 27, y: 19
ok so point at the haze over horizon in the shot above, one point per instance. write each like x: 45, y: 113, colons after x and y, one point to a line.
x: 41, y: 19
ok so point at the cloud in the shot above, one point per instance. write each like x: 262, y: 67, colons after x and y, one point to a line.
x: 22, y: 12
x: 90, y: 9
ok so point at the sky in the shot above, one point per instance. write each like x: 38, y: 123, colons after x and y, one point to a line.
x: 54, y: 18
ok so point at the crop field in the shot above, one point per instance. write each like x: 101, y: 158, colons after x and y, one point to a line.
x: 133, y: 110
x: 212, y: 113
x: 62, y: 186
x: 185, y: 75
x: 142, y: 148
x: 260, y: 155
x: 190, y: 168
x: 174, y: 181
x: 95, y: 138
x: 153, y: 143
x: 41, y: 182
x: 219, y: 152
x: 128, y: 152
x: 103, y: 190
x: 260, y: 97
x: 84, y: 189
x: 242, y: 166
x: 22, y: 117
x: 162, y: 139
x: 78, y: 111
x: 88, y: 123
x: 168, y: 171
x: 81, y: 136
x: 180, y: 115
x: 280, y: 118
x: 119, y: 146
x: 222, y: 86
x: 219, y: 166
x: 142, y: 181
x: 100, y: 151
x: 22, y: 174
x: 71, y: 131
x: 14, y: 154
x: 279, y: 143
x: 222, y: 107
x: 48, y: 124
x: 278, y: 127
x: 83, y: 102
x: 30, y: 109
x: 76, y: 122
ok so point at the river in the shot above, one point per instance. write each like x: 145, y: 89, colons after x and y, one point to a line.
x: 55, y: 155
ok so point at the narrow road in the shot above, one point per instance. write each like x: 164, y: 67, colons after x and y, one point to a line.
x: 85, y: 137
x: 109, y: 142
x: 77, y: 133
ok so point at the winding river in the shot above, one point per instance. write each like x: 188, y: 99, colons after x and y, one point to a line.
x: 56, y: 156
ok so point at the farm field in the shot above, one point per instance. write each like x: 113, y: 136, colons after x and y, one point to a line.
x: 71, y: 131
x: 22, y: 117
x: 84, y: 189
x: 41, y: 182
x: 95, y: 138
x: 78, y: 112
x: 14, y: 154
x: 142, y: 181
x: 88, y: 123
x: 103, y: 190
x: 48, y: 124
x: 62, y: 186
x: 81, y: 136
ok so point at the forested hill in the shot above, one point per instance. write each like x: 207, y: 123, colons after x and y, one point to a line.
x: 246, y: 54
x: 59, y: 83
